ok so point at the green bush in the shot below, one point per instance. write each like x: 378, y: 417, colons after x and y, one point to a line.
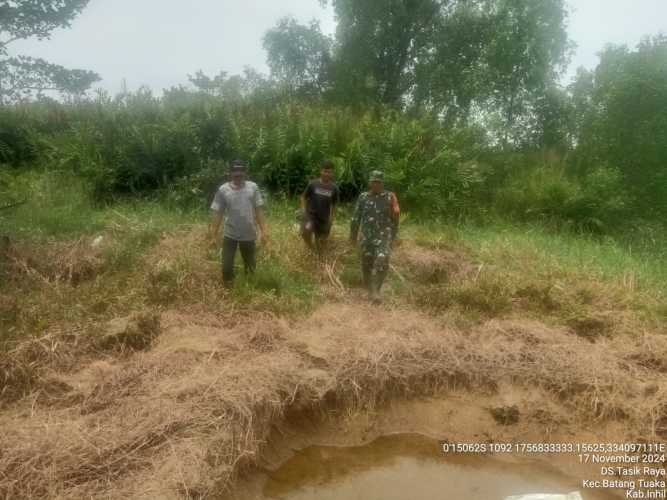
x: 120, y: 153
x: 197, y: 189
x: 13, y: 188
x: 622, y: 107
x: 546, y: 193
x: 426, y: 165
x: 180, y: 145
x: 17, y: 140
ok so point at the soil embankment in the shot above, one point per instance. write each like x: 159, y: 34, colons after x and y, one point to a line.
x: 200, y: 404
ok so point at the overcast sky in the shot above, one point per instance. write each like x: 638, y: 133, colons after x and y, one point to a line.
x: 159, y: 42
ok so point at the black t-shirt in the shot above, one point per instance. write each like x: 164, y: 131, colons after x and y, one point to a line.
x: 320, y: 198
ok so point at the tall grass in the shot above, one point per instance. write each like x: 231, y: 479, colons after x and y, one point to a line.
x: 140, y: 145
x: 59, y: 205
x: 522, y: 248
x: 156, y: 254
x: 639, y: 262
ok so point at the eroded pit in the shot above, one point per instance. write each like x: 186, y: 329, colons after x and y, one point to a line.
x: 396, y: 452
x: 412, y: 466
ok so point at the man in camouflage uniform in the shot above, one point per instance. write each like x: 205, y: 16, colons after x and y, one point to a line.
x: 377, y: 215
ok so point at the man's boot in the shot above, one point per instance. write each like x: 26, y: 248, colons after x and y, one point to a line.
x: 378, y: 280
x: 367, y: 273
x: 374, y: 293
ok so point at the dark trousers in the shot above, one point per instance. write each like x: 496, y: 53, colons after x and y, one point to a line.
x: 229, y: 252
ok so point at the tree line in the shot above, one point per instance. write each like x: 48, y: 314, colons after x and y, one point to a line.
x: 461, y: 98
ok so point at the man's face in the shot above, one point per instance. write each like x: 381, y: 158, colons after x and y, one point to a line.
x: 326, y: 175
x: 237, y: 178
x: 376, y: 186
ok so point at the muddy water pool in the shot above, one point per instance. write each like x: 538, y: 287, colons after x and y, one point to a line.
x: 401, y: 467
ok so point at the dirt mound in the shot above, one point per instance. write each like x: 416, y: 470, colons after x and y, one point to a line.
x: 135, y: 333
x: 186, y: 417
x: 431, y: 266
x: 649, y: 351
x: 59, y: 261
x: 22, y: 365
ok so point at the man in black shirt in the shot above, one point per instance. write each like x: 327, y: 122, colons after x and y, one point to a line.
x: 317, y: 203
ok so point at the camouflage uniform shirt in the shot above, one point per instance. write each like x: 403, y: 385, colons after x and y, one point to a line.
x: 377, y: 216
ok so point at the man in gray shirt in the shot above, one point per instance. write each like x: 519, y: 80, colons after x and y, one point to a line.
x: 240, y: 201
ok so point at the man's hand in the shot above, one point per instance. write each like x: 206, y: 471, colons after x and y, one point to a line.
x: 214, y: 230
x: 262, y: 238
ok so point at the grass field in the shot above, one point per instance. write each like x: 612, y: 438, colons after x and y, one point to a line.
x: 116, y: 330
x: 154, y: 254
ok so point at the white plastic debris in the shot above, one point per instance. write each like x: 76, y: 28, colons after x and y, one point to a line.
x: 97, y: 242
x: 575, y: 495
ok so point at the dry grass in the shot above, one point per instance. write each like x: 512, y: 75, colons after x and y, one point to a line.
x: 181, y: 266
x: 177, y: 404
x: 70, y: 262
x: 182, y: 269
x: 25, y: 364
x: 135, y: 333
x: 433, y: 265
x: 185, y: 418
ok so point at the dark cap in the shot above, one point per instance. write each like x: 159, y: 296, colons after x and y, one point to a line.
x: 326, y: 165
x: 237, y: 166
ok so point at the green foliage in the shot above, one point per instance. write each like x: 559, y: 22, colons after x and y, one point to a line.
x: 275, y: 286
x: 14, y: 189
x: 621, y: 114
x: 17, y: 140
x: 298, y: 55
x: 184, y: 150
x: 55, y: 205
x: 37, y: 18
x: 424, y: 164
x: 527, y: 50
x: 462, y: 59
x: 635, y: 260
x: 180, y: 145
x: 22, y: 77
x: 129, y: 149
x: 197, y: 189
x: 377, y: 43
x: 548, y: 194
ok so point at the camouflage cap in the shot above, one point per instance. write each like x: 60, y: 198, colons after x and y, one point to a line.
x: 376, y: 175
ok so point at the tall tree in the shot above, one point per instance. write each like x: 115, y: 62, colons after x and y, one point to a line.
x: 378, y: 43
x: 552, y: 125
x: 298, y: 55
x: 207, y: 85
x: 622, y: 106
x: 449, y: 56
x: 526, y: 54
x: 450, y: 73
x: 21, y: 76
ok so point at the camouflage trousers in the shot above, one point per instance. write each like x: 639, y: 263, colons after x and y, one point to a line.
x: 375, y: 258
